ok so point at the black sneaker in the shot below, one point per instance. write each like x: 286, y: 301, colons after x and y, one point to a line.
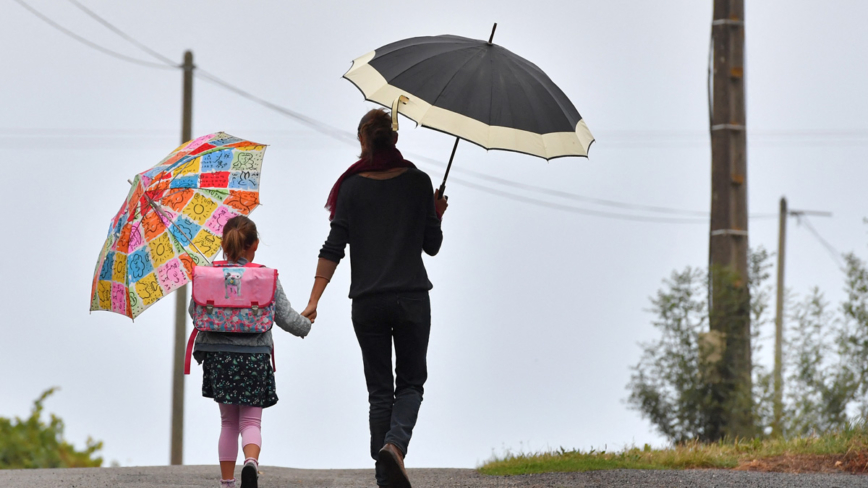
x: 250, y: 475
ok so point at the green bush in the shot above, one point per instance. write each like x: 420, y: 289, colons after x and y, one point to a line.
x: 825, y: 358
x: 31, y: 443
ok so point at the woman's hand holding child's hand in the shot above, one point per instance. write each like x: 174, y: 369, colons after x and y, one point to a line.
x: 310, y: 311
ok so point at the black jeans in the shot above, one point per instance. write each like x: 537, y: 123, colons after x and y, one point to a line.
x: 394, y: 404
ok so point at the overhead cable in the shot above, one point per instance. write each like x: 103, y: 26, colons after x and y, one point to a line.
x: 87, y: 42
x: 350, y: 139
x: 834, y: 253
x: 123, y: 34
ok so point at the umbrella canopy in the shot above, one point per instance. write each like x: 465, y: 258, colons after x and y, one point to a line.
x: 173, y: 219
x: 475, y: 90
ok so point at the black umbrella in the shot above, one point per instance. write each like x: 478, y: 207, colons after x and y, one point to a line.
x: 476, y: 91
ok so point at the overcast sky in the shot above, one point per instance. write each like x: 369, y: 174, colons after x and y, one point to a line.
x: 537, y: 312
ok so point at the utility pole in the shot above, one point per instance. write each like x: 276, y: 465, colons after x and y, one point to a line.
x: 730, y: 296
x: 177, y: 453
x: 778, y: 407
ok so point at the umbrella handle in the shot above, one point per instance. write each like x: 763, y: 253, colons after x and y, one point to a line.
x: 400, y: 99
x: 448, y: 167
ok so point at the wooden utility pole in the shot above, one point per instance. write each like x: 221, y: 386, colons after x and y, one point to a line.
x: 730, y: 298
x: 778, y: 406
x: 177, y: 456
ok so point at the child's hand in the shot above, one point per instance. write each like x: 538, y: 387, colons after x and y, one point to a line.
x: 310, y: 312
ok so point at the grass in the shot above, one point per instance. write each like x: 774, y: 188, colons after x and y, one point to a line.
x: 845, y: 450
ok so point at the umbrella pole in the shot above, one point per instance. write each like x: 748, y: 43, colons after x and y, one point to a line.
x: 448, y: 167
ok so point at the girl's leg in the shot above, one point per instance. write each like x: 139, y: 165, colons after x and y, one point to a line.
x: 250, y: 425
x: 251, y: 441
x: 227, y: 448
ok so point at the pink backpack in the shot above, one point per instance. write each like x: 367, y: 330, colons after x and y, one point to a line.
x: 232, y: 299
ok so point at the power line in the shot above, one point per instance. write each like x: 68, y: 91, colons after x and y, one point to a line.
x: 350, y: 139
x: 563, y: 194
x: 121, y: 33
x: 87, y: 42
x: 314, y: 124
x: 578, y: 210
x: 802, y: 219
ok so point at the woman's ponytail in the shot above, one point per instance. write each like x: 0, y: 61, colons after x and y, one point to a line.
x: 239, y: 234
x: 375, y: 133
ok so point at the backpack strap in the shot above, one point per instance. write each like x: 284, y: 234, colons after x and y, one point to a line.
x: 189, y: 354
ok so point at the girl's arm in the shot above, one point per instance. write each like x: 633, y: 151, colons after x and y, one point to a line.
x: 286, y: 317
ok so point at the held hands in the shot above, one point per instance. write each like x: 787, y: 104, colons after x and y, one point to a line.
x: 440, y: 204
x: 310, y: 311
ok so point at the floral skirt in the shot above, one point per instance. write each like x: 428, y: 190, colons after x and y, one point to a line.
x: 236, y: 378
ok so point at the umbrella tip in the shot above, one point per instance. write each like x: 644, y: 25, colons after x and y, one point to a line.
x: 491, y: 38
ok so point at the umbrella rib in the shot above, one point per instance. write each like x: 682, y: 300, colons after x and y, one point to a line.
x: 408, y: 68
x: 546, y: 87
x: 445, y: 85
x: 159, y: 211
x: 430, y: 104
x: 530, y: 103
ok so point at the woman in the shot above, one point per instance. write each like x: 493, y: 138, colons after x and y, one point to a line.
x: 385, y: 209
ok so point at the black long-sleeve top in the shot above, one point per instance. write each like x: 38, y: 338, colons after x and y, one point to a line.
x: 387, y: 223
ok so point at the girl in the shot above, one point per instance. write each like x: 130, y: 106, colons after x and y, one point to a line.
x: 385, y: 209
x: 237, y: 372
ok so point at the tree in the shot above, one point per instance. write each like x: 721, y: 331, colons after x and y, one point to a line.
x: 30, y: 443
x: 673, y: 385
x: 818, y: 387
x: 825, y: 358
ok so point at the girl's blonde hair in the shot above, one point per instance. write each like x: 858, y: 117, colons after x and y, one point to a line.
x: 239, y: 234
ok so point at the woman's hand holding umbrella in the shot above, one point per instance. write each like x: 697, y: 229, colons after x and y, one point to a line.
x: 440, y: 203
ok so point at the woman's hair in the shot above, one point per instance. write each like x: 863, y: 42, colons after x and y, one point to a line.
x: 239, y: 234
x: 375, y: 132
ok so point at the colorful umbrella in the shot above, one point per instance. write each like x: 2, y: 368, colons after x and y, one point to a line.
x: 173, y: 219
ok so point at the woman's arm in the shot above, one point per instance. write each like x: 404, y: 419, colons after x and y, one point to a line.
x: 433, y: 237
x: 331, y: 253
x: 325, y: 269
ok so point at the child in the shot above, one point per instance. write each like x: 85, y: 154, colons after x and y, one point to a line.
x: 237, y: 372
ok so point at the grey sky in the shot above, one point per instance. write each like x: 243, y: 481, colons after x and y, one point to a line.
x: 536, y: 312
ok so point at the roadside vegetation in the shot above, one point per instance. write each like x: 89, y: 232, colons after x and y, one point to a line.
x: 845, y: 450
x: 32, y: 443
x: 821, y: 420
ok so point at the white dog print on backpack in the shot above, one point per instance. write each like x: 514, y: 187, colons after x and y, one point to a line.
x: 232, y: 282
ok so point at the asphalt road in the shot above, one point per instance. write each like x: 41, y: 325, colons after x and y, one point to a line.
x: 272, y: 477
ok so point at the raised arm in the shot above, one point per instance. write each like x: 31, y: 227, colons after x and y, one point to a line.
x: 433, y: 233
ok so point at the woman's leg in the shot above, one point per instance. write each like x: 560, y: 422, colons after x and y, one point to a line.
x: 411, y: 330
x: 250, y: 425
x: 227, y: 447
x: 371, y: 323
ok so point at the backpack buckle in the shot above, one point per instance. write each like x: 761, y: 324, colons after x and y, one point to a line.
x: 255, y: 308
x: 209, y: 308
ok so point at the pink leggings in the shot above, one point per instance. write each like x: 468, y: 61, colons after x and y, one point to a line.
x: 238, y: 419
